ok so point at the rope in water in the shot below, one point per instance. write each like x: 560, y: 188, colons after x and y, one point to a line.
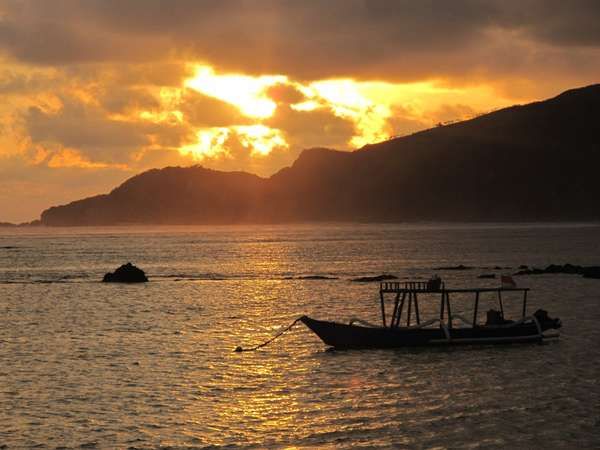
x: 268, y: 341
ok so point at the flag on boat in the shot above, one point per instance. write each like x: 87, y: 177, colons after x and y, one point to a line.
x: 507, y: 281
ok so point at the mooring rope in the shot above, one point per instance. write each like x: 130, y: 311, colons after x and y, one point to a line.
x: 268, y: 341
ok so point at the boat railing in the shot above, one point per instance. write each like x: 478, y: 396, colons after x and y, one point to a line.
x: 413, y: 286
x: 407, y: 292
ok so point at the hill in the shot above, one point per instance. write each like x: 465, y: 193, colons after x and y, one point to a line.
x: 532, y: 162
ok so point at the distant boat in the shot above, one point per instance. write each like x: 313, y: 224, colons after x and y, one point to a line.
x: 437, y: 331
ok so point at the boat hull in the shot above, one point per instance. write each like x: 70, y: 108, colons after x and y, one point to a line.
x: 343, y: 336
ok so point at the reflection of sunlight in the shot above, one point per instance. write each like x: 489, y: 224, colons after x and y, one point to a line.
x: 245, y: 92
x: 261, y: 139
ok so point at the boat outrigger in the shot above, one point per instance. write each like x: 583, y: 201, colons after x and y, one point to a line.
x: 437, y: 331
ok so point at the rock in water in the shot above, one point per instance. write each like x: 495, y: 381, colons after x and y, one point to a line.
x: 382, y: 277
x: 591, y: 272
x: 127, y: 273
x: 459, y: 267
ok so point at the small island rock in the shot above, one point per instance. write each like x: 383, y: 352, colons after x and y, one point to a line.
x: 383, y: 277
x: 591, y: 272
x: 127, y: 273
x: 459, y: 267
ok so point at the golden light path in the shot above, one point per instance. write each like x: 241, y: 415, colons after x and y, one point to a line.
x: 368, y: 105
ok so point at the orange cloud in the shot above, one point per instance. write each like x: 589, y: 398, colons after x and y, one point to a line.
x: 72, y: 158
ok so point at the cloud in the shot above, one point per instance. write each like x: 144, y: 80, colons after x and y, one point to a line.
x: 26, y: 190
x: 97, y: 137
x: 238, y: 156
x: 77, y: 126
x: 124, y: 99
x: 397, y: 40
x: 285, y: 93
x: 204, y: 111
x: 316, y: 128
x: 97, y: 86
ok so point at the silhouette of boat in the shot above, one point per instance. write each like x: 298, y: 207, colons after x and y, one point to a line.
x: 437, y: 331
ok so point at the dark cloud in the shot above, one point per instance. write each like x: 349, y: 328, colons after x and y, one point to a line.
x: 204, y: 111
x: 99, y: 138
x: 122, y: 99
x: 285, y: 93
x: 306, y: 129
x: 308, y: 39
x: 17, y: 82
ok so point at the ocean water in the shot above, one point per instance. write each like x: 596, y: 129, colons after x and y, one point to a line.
x: 85, y: 364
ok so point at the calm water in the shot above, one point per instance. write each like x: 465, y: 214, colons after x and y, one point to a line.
x: 86, y: 364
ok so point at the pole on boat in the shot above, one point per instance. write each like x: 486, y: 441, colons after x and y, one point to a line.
x: 410, y: 297
x: 500, y: 303
x: 475, y: 311
x: 400, y: 310
x: 382, y: 307
x: 442, y: 307
x: 395, y: 312
x: 524, y: 303
x: 449, y: 311
x: 417, y: 310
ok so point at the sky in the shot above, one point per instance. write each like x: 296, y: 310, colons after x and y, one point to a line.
x: 93, y: 92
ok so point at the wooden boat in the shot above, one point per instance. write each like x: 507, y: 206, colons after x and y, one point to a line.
x: 437, y: 331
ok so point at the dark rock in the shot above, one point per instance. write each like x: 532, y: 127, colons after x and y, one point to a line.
x: 570, y: 269
x: 523, y: 267
x: 316, y: 277
x: 487, y: 275
x: 382, y: 277
x: 459, y: 267
x: 533, y: 271
x: 127, y: 273
x: 567, y: 268
x: 591, y: 272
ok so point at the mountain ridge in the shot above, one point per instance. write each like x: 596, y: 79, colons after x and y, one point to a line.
x: 525, y: 162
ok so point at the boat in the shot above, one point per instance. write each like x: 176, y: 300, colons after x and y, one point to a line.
x: 447, y: 329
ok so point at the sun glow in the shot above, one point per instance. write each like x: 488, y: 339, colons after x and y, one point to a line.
x: 245, y: 92
x: 261, y: 139
x: 347, y: 101
x: 210, y: 143
x: 377, y: 110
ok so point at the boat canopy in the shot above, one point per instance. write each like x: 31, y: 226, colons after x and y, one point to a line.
x: 408, y: 291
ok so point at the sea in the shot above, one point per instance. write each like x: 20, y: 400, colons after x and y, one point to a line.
x: 86, y: 364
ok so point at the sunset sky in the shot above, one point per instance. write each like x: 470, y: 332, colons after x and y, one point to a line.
x: 93, y: 92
